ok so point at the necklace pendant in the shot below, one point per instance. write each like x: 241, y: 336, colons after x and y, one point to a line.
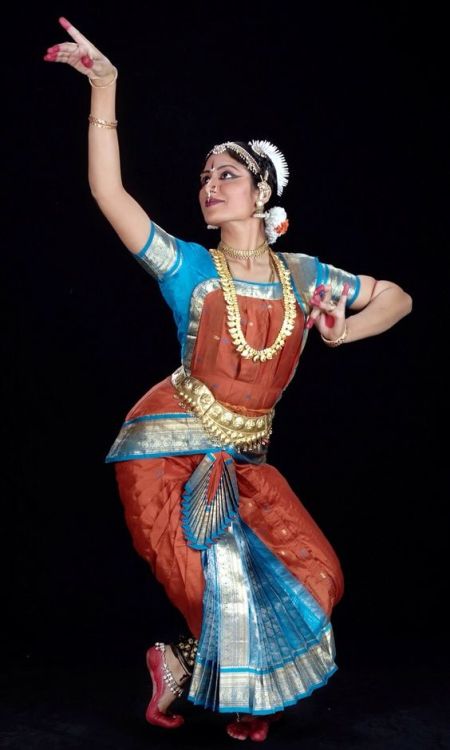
x: 234, y: 316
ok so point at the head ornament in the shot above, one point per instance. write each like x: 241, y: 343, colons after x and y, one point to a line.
x: 275, y: 219
x: 267, y: 149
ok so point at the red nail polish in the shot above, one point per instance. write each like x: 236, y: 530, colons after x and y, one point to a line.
x: 309, y: 323
x: 346, y: 288
x: 64, y: 22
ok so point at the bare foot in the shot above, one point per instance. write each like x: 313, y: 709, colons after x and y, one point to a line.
x: 259, y: 726
x: 255, y: 727
x: 240, y: 728
x: 180, y: 676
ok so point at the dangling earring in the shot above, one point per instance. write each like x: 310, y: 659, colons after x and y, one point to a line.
x: 211, y: 226
x: 264, y: 193
x: 259, y: 212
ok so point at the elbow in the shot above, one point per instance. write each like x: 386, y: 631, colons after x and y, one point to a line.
x: 96, y: 193
x: 403, y: 300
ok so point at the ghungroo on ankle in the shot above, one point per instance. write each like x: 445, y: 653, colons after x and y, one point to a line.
x: 185, y: 651
x: 168, y: 677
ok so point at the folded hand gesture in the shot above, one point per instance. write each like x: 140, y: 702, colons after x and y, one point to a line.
x: 328, y: 316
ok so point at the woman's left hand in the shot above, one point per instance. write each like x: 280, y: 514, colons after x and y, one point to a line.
x: 326, y: 315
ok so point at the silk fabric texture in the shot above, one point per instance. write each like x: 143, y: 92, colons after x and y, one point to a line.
x: 160, y: 445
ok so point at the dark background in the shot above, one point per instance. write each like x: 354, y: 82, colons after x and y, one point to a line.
x: 355, y: 98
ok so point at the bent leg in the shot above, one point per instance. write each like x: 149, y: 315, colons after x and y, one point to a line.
x: 150, y: 490
x: 272, y: 510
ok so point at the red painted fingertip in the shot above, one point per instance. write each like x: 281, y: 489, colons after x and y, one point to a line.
x: 64, y: 22
x: 319, y: 288
x: 346, y: 288
x: 87, y: 62
x: 309, y: 323
x: 329, y: 321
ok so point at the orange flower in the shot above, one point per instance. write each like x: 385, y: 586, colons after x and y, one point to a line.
x: 283, y: 227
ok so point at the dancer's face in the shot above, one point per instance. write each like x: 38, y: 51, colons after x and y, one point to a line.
x: 227, y: 191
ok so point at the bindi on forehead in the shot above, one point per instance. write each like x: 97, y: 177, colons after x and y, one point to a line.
x: 213, y: 168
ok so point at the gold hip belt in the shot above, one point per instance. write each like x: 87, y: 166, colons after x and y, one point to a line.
x: 225, y: 426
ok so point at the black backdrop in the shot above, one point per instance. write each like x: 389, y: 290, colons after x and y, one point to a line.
x: 352, y: 96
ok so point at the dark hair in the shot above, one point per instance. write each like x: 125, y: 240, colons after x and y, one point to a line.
x: 263, y: 163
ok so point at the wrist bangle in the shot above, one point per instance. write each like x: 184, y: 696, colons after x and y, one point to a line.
x: 336, y: 342
x: 105, y: 85
x: 109, y: 124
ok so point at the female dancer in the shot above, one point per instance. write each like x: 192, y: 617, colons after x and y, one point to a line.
x: 236, y: 551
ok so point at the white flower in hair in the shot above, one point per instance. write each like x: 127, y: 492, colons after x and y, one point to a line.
x: 276, y: 223
x: 265, y: 148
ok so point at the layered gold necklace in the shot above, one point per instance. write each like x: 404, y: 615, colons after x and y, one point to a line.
x: 234, y: 316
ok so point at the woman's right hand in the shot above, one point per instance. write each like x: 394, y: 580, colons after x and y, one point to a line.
x: 81, y: 55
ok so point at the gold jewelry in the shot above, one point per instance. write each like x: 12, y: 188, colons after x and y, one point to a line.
x: 259, y: 210
x: 338, y: 341
x: 109, y: 125
x: 234, y: 315
x: 235, y: 253
x: 223, y: 425
x: 264, y: 195
x: 251, y: 163
x: 272, y: 277
x: 105, y: 85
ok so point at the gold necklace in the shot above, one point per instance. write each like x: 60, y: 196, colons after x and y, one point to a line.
x: 234, y: 315
x: 235, y: 253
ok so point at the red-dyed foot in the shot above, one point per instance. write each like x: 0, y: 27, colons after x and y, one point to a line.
x: 259, y: 727
x: 155, y: 661
x: 238, y: 729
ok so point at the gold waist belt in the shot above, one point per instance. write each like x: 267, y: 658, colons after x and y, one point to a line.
x: 223, y: 425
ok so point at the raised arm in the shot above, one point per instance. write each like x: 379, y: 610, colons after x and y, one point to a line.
x: 126, y: 216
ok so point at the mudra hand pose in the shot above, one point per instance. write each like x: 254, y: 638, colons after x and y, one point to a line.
x: 236, y: 551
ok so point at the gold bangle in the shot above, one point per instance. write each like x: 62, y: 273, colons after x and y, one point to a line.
x: 336, y: 342
x: 110, y: 125
x: 94, y: 85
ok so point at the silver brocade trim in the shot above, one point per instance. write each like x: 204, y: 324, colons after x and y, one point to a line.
x: 303, y: 269
x: 304, y: 272
x: 201, y: 291
x: 288, y: 682
x: 147, y: 437
x: 337, y: 278
x: 234, y: 641
x: 160, y: 255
